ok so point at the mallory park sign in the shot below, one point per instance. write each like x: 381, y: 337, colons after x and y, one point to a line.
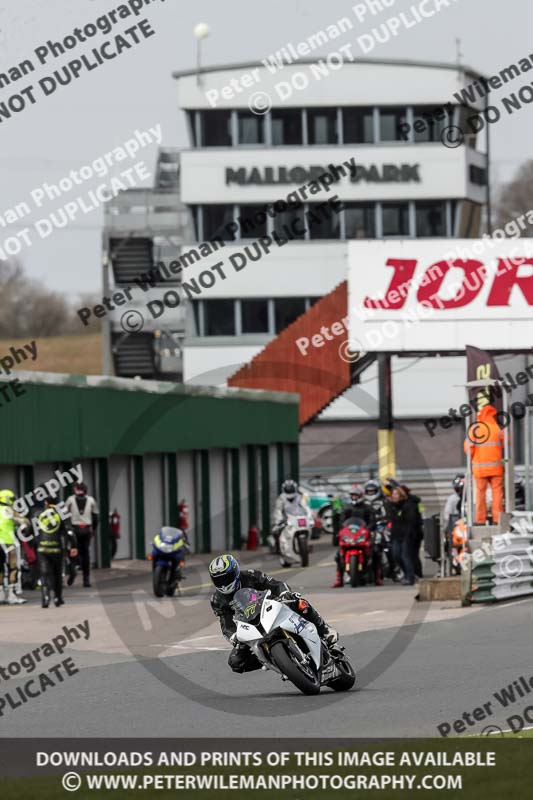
x: 266, y: 176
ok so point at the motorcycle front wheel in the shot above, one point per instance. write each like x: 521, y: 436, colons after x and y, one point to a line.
x: 301, y: 675
x: 355, y: 574
x: 159, y: 580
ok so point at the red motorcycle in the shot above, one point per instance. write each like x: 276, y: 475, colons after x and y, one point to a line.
x: 355, y: 544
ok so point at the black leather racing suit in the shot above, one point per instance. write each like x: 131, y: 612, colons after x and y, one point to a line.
x: 241, y: 658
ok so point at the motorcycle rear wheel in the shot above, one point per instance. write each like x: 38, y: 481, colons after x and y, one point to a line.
x: 345, y: 681
x: 290, y: 667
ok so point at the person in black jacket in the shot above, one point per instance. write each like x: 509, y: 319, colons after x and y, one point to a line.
x: 416, y: 535
x: 54, y: 541
x: 227, y: 577
x: 403, y: 517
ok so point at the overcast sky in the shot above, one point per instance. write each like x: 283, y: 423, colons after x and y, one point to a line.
x: 103, y: 107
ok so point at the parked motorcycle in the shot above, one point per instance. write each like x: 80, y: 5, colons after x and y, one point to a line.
x: 169, y: 549
x: 287, y: 643
x: 294, y: 539
x: 355, y: 543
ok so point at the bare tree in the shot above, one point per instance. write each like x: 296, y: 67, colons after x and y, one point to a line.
x: 515, y: 202
x: 26, y: 308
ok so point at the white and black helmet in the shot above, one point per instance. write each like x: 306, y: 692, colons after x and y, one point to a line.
x: 289, y: 489
x: 225, y: 573
x: 372, y: 490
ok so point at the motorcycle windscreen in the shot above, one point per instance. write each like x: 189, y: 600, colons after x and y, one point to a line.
x: 246, y: 605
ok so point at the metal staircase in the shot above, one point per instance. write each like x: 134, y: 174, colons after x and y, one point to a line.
x: 130, y: 258
x: 134, y: 355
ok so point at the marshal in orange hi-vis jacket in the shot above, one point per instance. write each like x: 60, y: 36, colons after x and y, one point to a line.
x: 485, y: 441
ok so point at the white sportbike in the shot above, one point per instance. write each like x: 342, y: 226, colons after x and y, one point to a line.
x: 285, y: 642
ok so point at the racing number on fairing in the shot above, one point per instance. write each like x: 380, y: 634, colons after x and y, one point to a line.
x: 298, y: 622
x: 249, y: 611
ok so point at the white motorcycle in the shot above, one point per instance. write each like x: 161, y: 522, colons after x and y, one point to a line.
x: 294, y: 539
x: 287, y: 643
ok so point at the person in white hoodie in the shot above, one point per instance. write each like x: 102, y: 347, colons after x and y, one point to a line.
x: 83, y: 510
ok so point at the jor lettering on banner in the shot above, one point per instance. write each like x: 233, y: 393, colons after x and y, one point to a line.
x: 440, y: 295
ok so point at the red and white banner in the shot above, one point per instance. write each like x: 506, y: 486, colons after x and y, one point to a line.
x: 440, y: 294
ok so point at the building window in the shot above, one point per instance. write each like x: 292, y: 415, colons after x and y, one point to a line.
x: 252, y: 222
x: 287, y: 126
x: 196, y: 212
x: 251, y: 128
x: 322, y: 126
x: 431, y: 219
x: 323, y: 223
x: 254, y: 316
x: 360, y: 220
x: 395, y: 219
x: 191, y: 121
x: 219, y: 317
x: 390, y: 120
x: 216, y: 218
x: 287, y: 309
x: 196, y: 312
x: 216, y: 128
x: 425, y: 127
x: 358, y: 125
x: 293, y: 219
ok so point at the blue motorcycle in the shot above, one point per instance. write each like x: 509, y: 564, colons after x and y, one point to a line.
x: 169, y: 549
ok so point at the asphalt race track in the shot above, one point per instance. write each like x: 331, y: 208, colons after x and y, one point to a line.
x: 158, y: 668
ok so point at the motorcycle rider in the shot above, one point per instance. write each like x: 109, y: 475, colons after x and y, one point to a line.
x: 452, y: 507
x: 228, y: 578
x: 54, y: 540
x: 359, y: 507
x: 374, y: 497
x: 290, y: 501
x: 9, y: 549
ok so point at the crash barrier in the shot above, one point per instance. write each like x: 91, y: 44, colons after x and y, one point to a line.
x: 502, y: 566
